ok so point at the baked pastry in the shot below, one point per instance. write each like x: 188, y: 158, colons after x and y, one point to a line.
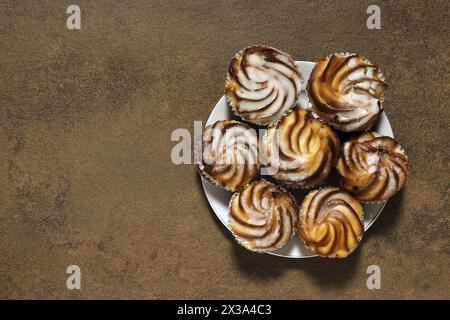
x: 262, y: 217
x: 229, y: 154
x: 373, y: 167
x: 299, y: 150
x: 346, y: 91
x: 262, y: 83
x: 330, y: 222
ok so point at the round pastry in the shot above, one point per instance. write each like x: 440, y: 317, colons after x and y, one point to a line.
x: 262, y: 216
x: 373, y: 167
x: 262, y: 83
x: 331, y: 222
x: 299, y: 150
x: 346, y: 91
x: 229, y: 154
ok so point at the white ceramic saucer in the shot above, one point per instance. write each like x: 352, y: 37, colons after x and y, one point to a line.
x: 219, y: 198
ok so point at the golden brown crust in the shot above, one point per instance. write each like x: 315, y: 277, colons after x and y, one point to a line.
x: 262, y: 83
x: 373, y: 167
x: 300, y: 150
x: 331, y: 222
x: 346, y: 91
x: 229, y: 154
x: 262, y: 216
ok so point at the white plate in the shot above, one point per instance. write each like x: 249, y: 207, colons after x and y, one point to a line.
x: 219, y: 198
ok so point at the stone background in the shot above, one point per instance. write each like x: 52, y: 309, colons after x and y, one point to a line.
x: 85, y: 171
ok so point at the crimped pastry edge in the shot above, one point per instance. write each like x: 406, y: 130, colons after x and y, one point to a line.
x: 244, y: 243
x: 227, y: 77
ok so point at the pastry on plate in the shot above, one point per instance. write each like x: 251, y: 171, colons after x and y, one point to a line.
x: 262, y: 216
x: 331, y: 222
x: 262, y: 83
x: 346, y: 91
x: 299, y: 150
x: 373, y: 167
x: 229, y: 154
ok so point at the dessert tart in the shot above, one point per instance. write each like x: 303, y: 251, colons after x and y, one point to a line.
x: 229, y: 154
x: 346, y: 91
x: 300, y: 150
x: 262, y: 216
x: 330, y: 222
x: 373, y: 167
x: 262, y: 83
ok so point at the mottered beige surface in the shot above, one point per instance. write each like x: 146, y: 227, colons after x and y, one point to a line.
x: 85, y: 171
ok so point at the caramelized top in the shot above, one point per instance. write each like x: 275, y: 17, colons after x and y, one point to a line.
x: 300, y: 150
x: 331, y: 222
x: 262, y: 84
x: 262, y: 217
x: 229, y: 154
x: 373, y: 167
x: 345, y: 90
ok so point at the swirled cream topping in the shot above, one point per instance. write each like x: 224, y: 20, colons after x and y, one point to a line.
x: 262, y: 217
x: 229, y: 154
x: 300, y: 150
x: 373, y: 167
x: 345, y: 90
x: 262, y: 84
x: 331, y: 222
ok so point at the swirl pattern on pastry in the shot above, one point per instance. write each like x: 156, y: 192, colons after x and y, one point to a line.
x: 262, y: 217
x: 373, y: 167
x: 346, y: 91
x: 331, y: 222
x: 229, y: 154
x: 300, y: 150
x: 262, y: 83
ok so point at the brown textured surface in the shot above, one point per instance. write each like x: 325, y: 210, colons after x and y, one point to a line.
x: 85, y: 171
